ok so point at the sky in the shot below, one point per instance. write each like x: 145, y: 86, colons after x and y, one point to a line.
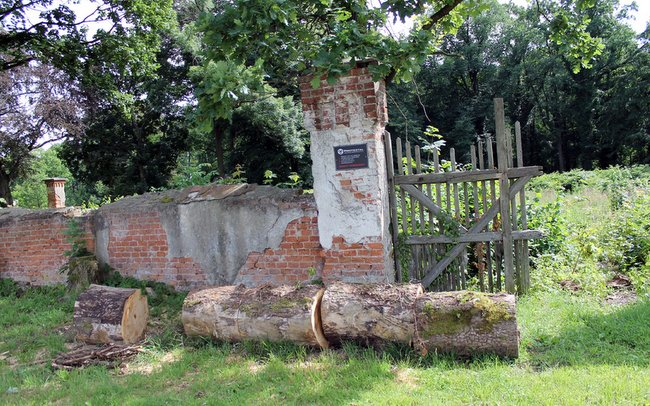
x: 638, y: 24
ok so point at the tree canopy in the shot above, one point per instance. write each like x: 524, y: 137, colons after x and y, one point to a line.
x: 207, y: 86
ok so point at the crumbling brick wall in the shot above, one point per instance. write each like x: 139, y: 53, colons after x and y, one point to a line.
x: 225, y: 234
x: 33, y: 243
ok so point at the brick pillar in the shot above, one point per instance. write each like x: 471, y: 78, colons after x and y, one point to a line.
x: 346, y: 119
x: 55, y: 192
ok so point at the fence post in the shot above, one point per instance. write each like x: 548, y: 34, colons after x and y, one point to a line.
x: 503, y: 156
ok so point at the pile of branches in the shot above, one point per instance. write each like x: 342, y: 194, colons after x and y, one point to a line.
x: 110, y: 355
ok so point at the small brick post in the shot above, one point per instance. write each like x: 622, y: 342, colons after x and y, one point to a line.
x: 352, y: 203
x: 55, y: 192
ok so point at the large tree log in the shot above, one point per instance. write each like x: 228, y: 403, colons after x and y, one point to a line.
x: 467, y: 323
x: 236, y: 313
x: 104, y: 314
x: 369, y: 314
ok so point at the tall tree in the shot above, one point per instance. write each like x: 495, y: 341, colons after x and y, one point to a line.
x: 131, y: 143
x: 53, y: 32
x: 38, y: 105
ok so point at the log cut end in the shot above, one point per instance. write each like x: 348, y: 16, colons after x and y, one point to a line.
x: 104, y: 314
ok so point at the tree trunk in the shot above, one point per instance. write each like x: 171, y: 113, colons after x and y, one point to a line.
x: 463, y: 323
x: 467, y: 323
x: 218, y: 131
x: 104, y: 314
x: 5, y: 191
x: 236, y: 313
x: 369, y: 314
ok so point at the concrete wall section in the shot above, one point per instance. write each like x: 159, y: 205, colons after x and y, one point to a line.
x: 196, y: 237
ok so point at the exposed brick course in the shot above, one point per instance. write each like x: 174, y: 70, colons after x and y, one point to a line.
x: 138, y: 247
x: 32, y: 244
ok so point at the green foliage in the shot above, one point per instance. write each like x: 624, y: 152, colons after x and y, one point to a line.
x: 30, y: 191
x: 76, y: 237
x: 189, y: 172
x: 222, y: 87
x: 592, y: 118
x: 547, y: 217
x: 627, y: 240
x: 237, y: 176
x: 328, y: 38
x: 588, y: 238
x: 133, y: 145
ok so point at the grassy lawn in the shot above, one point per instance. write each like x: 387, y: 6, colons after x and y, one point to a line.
x: 575, y: 348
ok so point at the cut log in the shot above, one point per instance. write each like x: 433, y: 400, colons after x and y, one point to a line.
x: 369, y: 314
x: 104, y: 314
x: 467, y: 323
x: 236, y: 313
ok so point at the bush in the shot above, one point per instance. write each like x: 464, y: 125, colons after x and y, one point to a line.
x: 626, y: 242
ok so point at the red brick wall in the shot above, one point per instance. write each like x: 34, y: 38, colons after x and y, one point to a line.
x: 359, y: 82
x: 137, y: 247
x: 290, y: 263
x: 300, y: 258
x: 32, y: 250
x: 32, y: 246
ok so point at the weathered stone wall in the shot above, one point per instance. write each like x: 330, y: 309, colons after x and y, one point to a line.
x: 201, y: 236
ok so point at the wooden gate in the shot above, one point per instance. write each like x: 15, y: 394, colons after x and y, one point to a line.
x: 462, y: 226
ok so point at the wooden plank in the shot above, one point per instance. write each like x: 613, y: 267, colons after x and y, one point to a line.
x: 520, y: 148
x: 409, y: 169
x: 488, y: 246
x: 502, y: 158
x: 452, y: 158
x: 493, y: 197
x: 481, y: 275
x: 476, y: 228
x: 436, y: 169
x: 524, y: 215
x: 472, y: 237
x: 418, y: 169
x: 413, y: 270
x: 400, y: 166
x: 467, y: 176
x: 426, y: 201
x: 392, y: 201
x: 508, y: 132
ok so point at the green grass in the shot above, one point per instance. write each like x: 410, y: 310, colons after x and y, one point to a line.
x: 574, y: 351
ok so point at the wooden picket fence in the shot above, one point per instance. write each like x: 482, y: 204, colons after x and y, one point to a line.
x: 457, y: 225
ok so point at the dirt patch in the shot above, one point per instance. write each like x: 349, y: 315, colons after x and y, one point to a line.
x: 621, y: 297
x: 149, y: 366
x: 623, y: 290
x: 570, y: 285
x: 406, y: 376
x: 254, y: 367
x: 619, y: 281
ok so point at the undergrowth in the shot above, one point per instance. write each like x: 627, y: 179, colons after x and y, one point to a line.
x: 596, y: 224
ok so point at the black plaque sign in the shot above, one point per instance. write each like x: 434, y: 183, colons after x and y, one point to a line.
x: 351, y: 156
